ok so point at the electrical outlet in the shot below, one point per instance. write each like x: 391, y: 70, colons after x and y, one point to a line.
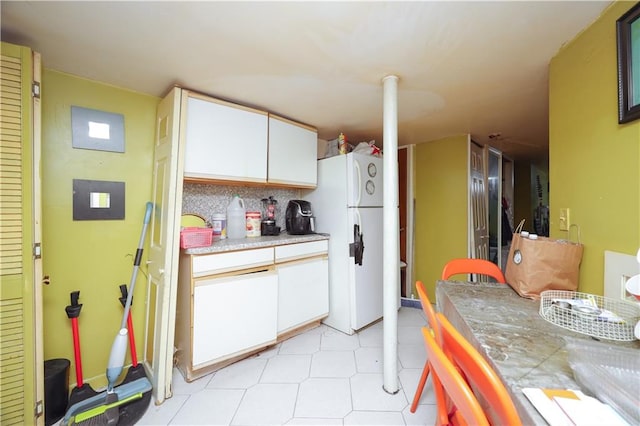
x: 564, y: 222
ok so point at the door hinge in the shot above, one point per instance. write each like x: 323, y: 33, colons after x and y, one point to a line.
x: 35, y: 89
x: 39, y: 409
x: 37, y: 251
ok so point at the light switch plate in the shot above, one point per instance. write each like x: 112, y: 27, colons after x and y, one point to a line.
x: 618, y: 268
x: 564, y: 222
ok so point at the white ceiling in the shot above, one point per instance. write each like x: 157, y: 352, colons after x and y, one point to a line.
x: 464, y: 67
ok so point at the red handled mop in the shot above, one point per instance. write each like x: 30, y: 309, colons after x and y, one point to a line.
x: 104, y: 408
x: 132, y: 339
x: 82, y: 390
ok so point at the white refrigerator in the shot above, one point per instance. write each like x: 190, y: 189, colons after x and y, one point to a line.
x: 347, y: 204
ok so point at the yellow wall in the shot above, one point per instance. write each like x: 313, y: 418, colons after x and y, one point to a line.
x: 94, y: 257
x: 441, y: 207
x: 593, y: 161
x: 522, y: 208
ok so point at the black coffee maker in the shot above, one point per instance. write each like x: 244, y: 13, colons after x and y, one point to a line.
x: 299, y: 218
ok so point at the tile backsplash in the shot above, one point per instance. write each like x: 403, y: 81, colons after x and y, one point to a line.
x: 206, y: 200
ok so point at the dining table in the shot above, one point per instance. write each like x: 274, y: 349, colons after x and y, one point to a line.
x: 524, y: 349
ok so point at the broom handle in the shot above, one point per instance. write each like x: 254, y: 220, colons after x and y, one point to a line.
x: 76, y: 352
x: 136, y: 264
x: 132, y: 342
x: 73, y: 312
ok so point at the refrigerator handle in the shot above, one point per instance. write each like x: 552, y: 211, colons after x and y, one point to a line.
x: 359, y: 185
x: 356, y: 249
x: 358, y: 219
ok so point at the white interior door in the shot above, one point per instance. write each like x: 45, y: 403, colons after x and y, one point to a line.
x: 479, y: 207
x: 507, y: 188
x: 38, y: 278
x: 494, y: 200
x: 163, y: 246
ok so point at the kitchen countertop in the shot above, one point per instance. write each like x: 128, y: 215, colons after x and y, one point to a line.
x: 523, y: 348
x: 248, y: 243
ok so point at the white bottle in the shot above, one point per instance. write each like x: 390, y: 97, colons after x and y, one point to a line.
x: 219, y: 225
x: 236, y: 220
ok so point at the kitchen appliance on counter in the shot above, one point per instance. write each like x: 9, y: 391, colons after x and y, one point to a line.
x: 299, y: 218
x: 268, y: 224
x: 348, y: 205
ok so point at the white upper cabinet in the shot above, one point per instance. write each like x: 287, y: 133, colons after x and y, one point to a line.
x: 224, y: 141
x: 292, y: 153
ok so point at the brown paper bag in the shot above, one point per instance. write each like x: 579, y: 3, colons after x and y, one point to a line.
x: 542, y: 264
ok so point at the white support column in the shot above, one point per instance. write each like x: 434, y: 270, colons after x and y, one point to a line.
x: 391, y: 251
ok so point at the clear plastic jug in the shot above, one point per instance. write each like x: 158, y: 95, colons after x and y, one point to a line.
x: 236, y: 220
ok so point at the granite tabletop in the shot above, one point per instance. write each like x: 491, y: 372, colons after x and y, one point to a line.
x: 248, y: 243
x: 523, y: 348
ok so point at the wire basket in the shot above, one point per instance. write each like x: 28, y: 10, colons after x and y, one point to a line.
x: 595, y: 316
x: 191, y: 237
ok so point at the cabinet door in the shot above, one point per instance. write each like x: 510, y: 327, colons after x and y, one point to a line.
x: 232, y: 315
x: 224, y: 141
x: 292, y: 153
x: 303, y: 292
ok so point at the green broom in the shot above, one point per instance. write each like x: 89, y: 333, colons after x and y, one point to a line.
x: 119, y: 347
x: 94, y: 415
x: 106, y: 404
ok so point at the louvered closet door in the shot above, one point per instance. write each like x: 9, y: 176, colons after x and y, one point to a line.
x: 21, y: 364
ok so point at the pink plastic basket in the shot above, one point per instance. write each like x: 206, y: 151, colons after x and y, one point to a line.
x: 191, y: 237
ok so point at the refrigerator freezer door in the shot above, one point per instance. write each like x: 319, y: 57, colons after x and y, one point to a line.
x: 364, y: 180
x: 366, y: 297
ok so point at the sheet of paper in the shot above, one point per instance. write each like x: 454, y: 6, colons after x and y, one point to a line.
x: 565, y: 407
x: 543, y: 400
x: 589, y: 412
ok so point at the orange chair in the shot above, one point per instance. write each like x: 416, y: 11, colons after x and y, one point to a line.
x: 430, y: 313
x: 472, y: 266
x: 478, y: 374
x: 447, y: 380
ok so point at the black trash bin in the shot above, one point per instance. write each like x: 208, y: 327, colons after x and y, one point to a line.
x: 56, y: 389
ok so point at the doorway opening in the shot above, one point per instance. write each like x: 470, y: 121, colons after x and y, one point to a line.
x: 500, y: 201
x: 406, y: 207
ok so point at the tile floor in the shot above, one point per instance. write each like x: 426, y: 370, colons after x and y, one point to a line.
x: 320, y: 377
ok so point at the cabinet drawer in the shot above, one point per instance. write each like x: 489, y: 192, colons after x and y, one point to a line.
x: 301, y: 250
x: 210, y: 264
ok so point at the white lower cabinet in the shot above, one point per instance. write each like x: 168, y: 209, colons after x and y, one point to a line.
x: 233, y: 304
x: 233, y: 314
x: 303, y: 292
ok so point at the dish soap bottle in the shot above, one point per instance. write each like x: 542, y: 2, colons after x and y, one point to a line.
x: 342, y: 143
x: 236, y: 220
